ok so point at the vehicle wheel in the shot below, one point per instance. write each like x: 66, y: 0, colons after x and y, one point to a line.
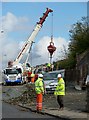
x: 24, y: 80
x: 21, y: 82
x: 4, y: 83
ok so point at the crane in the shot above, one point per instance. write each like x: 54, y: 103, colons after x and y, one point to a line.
x: 30, y: 40
x: 16, y: 67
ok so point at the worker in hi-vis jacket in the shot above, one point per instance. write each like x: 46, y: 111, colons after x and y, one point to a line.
x: 60, y: 91
x: 39, y: 88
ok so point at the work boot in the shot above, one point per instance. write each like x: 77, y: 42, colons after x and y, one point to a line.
x: 61, y: 108
x: 38, y: 111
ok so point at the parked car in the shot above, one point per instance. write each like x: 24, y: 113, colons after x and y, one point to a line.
x: 50, y: 80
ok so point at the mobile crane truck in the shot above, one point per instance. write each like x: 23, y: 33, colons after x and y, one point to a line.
x: 14, y: 72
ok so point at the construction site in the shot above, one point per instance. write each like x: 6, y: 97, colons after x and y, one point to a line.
x: 19, y: 77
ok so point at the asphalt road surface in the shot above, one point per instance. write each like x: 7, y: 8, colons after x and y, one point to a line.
x: 8, y: 111
x: 11, y: 111
x: 0, y: 101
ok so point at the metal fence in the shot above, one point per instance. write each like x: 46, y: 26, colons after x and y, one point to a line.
x: 72, y: 76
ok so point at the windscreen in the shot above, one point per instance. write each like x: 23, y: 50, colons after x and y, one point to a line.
x: 11, y: 71
x: 53, y: 75
x: 50, y: 76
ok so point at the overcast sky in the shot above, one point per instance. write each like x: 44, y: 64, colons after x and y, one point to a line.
x: 18, y: 19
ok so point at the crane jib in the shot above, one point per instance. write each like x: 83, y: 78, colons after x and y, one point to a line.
x: 32, y: 36
x: 22, y: 51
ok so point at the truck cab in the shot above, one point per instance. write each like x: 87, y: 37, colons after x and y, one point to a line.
x: 13, y: 75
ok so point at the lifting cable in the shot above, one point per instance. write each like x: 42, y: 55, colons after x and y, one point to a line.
x: 52, y: 29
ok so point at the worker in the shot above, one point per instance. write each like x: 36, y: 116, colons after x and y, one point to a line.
x: 39, y: 88
x: 36, y: 77
x: 29, y: 76
x: 48, y: 67
x: 60, y: 91
x: 32, y: 77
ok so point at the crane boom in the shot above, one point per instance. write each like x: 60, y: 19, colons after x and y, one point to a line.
x: 35, y: 31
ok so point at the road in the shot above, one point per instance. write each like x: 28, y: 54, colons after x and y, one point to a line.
x: 12, y: 111
x: 0, y: 101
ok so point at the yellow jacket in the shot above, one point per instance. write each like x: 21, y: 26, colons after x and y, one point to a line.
x: 39, y: 87
x: 60, y: 89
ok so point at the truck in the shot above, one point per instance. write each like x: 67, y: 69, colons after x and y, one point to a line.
x: 15, y: 72
x: 14, y: 75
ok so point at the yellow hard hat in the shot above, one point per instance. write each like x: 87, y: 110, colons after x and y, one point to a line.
x: 48, y: 64
x: 32, y: 75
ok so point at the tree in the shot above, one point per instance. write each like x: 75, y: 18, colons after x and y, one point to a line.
x: 79, y: 37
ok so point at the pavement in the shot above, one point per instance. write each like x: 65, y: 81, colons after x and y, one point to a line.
x: 65, y: 114
x: 71, y: 111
